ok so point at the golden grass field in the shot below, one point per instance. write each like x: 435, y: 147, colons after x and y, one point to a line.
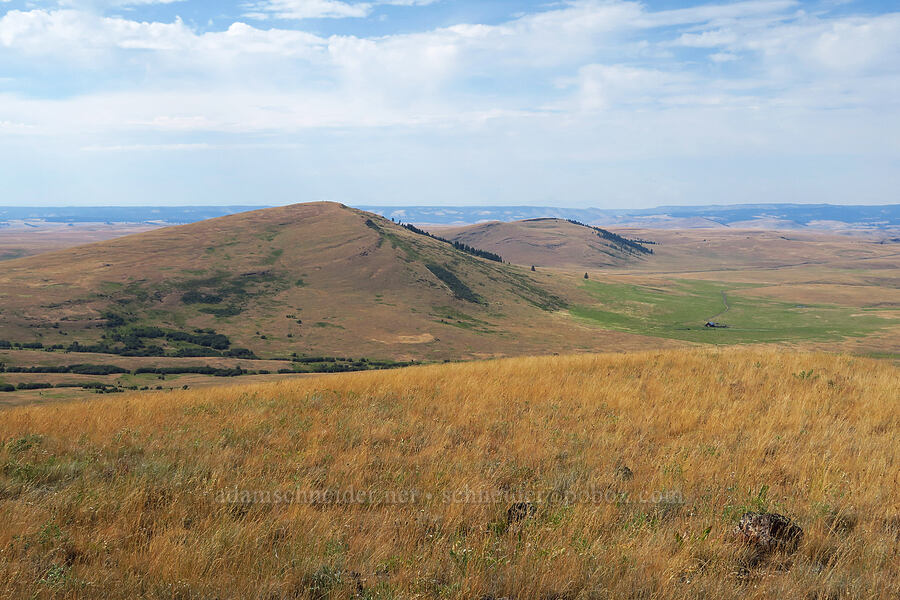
x: 149, y: 495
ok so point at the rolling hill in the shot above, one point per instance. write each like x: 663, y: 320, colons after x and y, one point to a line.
x: 549, y: 243
x: 320, y: 279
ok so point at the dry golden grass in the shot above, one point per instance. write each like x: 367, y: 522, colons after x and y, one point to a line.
x: 121, y: 498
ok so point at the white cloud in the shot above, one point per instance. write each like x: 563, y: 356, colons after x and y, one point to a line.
x: 69, y: 34
x: 722, y: 57
x: 712, y: 38
x: 200, y: 146
x: 11, y: 127
x: 72, y: 33
x: 320, y: 9
x: 407, y: 2
x: 101, y: 4
x: 604, y: 86
x: 848, y: 44
x: 717, y: 14
x: 307, y: 9
x: 425, y: 77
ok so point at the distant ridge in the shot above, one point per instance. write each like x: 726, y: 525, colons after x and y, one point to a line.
x: 171, y: 215
x: 825, y: 217
x: 774, y: 216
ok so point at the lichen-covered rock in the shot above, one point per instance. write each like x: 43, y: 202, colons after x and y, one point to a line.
x: 768, y: 532
x: 520, y: 511
x: 623, y: 473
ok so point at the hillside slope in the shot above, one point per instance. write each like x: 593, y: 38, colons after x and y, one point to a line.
x: 548, y: 243
x: 316, y: 278
x: 254, y: 492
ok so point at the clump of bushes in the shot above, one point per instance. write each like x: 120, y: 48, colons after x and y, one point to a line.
x: 75, y: 369
x: 195, y: 297
x: 206, y: 370
x: 34, y: 386
x: 459, y: 289
x: 217, y: 341
x: 130, y: 341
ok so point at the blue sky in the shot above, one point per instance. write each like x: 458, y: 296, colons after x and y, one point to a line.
x: 577, y: 103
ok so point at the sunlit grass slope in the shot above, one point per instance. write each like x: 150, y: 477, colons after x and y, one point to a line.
x: 144, y: 495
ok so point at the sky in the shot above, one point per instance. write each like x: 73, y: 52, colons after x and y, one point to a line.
x: 580, y: 103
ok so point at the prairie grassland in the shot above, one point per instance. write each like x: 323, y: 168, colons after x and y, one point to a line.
x: 175, y: 495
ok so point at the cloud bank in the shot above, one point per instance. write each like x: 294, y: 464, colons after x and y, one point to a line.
x: 614, y: 102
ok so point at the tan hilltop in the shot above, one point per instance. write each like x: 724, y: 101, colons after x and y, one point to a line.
x: 545, y: 243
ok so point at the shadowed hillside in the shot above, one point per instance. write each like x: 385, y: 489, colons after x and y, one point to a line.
x: 311, y: 278
x: 549, y: 243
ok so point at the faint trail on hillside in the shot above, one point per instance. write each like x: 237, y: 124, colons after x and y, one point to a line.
x: 725, y: 303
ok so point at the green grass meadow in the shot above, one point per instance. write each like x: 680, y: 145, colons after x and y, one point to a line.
x: 680, y: 308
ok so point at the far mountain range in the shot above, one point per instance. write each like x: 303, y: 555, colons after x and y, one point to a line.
x: 753, y: 216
